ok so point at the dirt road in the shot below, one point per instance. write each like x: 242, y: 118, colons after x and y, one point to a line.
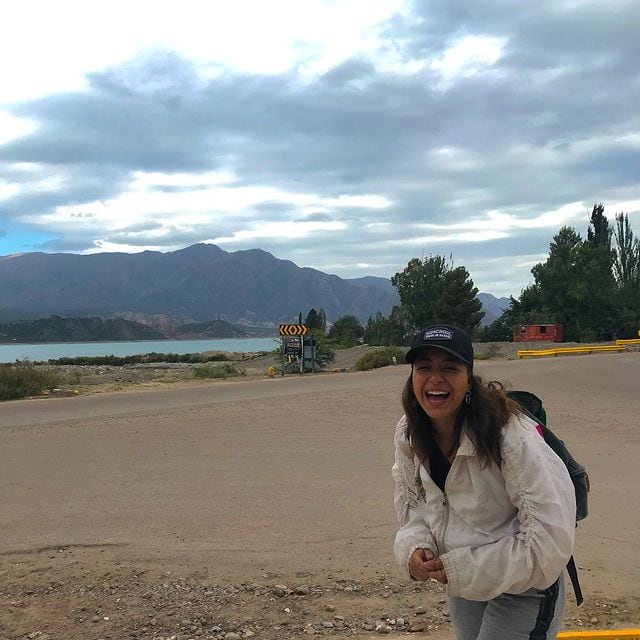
x: 264, y: 507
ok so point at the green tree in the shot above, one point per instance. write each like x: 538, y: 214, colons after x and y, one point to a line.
x: 323, y: 320
x: 596, y: 287
x: 316, y: 320
x: 391, y: 331
x: 590, y: 287
x: 325, y: 354
x: 626, y: 268
x: 556, y: 282
x: 376, y: 330
x: 457, y: 303
x: 627, y: 255
x: 419, y: 286
x: 346, y: 331
x: 433, y: 291
x: 527, y: 310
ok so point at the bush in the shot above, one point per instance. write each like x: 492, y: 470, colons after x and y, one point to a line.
x: 24, y: 379
x: 221, y: 371
x: 325, y: 352
x: 121, y: 361
x: 380, y: 358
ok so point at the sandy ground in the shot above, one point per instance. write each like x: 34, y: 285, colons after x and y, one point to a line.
x: 262, y: 508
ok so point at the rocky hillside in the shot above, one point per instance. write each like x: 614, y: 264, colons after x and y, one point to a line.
x: 57, y: 329
x: 194, y: 284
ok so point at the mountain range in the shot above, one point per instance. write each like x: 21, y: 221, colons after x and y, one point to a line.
x: 193, y: 285
x: 93, y: 329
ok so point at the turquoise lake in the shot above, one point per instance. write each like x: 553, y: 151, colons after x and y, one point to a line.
x: 43, y: 352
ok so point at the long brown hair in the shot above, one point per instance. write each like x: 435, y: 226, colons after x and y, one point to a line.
x: 482, y: 419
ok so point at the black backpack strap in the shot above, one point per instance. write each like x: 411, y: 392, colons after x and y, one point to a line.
x: 528, y: 401
x: 573, y: 574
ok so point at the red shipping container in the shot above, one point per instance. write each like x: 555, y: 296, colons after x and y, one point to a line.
x: 538, y: 333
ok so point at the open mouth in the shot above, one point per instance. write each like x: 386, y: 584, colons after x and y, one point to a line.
x: 436, y: 398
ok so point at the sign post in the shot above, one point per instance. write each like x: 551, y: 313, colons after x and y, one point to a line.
x: 309, y: 355
x: 292, y: 339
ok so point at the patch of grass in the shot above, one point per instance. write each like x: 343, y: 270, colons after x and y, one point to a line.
x: 380, y: 358
x: 24, y: 379
x: 225, y: 370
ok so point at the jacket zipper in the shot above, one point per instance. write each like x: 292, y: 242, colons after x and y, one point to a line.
x: 445, y: 504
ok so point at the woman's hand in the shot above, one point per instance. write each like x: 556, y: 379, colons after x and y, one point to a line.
x: 424, y: 565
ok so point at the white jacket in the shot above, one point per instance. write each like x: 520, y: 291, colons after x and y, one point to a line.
x: 496, y: 529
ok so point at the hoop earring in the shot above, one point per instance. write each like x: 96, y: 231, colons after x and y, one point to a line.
x: 467, y: 397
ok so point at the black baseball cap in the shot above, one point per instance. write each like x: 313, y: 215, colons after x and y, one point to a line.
x: 452, y: 339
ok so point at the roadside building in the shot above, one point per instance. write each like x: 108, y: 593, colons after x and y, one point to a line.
x: 537, y: 333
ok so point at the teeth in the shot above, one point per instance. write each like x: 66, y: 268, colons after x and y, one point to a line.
x: 438, y: 393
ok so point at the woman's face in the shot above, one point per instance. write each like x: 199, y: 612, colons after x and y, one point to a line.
x: 440, y: 382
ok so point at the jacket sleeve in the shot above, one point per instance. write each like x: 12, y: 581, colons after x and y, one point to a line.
x: 539, y: 487
x: 413, y: 532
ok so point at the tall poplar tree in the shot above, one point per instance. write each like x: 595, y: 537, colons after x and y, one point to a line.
x: 596, y: 286
x: 626, y: 265
x: 626, y: 268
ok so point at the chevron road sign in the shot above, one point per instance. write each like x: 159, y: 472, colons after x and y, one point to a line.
x: 293, y: 329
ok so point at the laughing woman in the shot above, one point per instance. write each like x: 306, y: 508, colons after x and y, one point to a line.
x: 484, y: 505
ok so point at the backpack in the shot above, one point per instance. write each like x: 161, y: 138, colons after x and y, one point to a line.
x: 532, y: 406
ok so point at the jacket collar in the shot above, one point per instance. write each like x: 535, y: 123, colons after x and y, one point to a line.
x: 466, y: 447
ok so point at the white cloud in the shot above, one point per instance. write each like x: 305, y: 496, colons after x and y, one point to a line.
x: 498, y: 222
x: 498, y: 274
x: 8, y: 190
x: 365, y: 201
x: 450, y: 238
x: 445, y: 130
x: 468, y: 56
x: 625, y: 206
x: 12, y: 127
x: 145, y: 180
x: 201, y: 199
x: 293, y: 229
x: 102, y: 246
x: 57, y: 43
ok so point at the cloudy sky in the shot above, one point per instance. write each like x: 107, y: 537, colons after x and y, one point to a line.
x: 345, y: 135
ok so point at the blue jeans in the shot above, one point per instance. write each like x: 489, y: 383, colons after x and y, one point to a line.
x: 533, y: 615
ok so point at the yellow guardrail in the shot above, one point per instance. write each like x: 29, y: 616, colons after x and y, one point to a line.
x: 622, y: 634
x: 590, y: 348
x: 629, y: 341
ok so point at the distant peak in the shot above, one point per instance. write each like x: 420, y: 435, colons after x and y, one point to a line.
x: 201, y: 247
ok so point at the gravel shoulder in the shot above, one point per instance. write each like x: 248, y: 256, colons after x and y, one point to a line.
x: 102, y: 379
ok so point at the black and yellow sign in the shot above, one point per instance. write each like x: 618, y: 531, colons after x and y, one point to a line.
x: 293, y: 329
